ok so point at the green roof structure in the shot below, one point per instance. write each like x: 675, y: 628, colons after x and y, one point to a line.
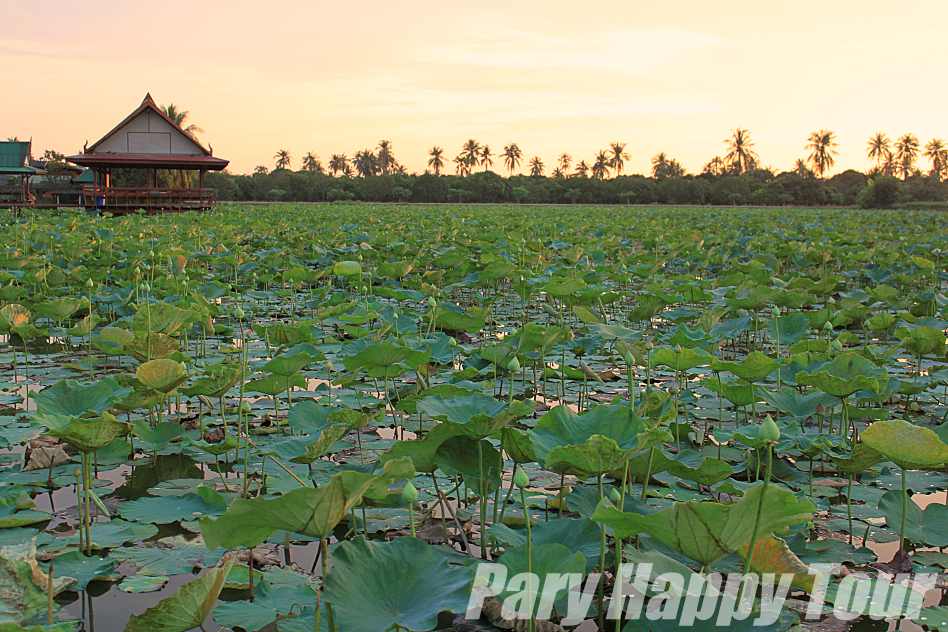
x: 15, y: 158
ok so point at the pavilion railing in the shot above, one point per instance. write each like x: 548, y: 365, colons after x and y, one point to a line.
x: 129, y: 199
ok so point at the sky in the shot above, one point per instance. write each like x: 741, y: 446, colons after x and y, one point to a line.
x: 552, y: 76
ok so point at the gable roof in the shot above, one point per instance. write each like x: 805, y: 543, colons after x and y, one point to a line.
x: 148, y: 104
x: 15, y: 156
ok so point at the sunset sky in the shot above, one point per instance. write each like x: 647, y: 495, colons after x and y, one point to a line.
x: 552, y: 76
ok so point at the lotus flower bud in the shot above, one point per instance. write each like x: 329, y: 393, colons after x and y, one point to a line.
x: 514, y: 365
x: 827, y: 326
x: 775, y: 312
x: 769, y: 430
x: 146, y: 288
x: 836, y: 345
x: 432, y: 302
x: 239, y: 313
x: 629, y: 360
x: 90, y: 283
x: 520, y: 479
x: 615, y: 496
x: 409, y: 493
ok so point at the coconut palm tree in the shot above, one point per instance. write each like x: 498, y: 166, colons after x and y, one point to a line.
x: 558, y: 173
x: 512, y: 156
x: 800, y: 168
x: 366, y: 163
x: 436, y: 160
x: 282, y: 158
x: 180, y: 117
x: 485, y: 157
x: 565, y: 161
x: 471, y: 151
x: 618, y: 157
x: 879, y: 149
x: 600, y: 168
x: 385, y: 159
x: 338, y: 164
x: 822, y: 147
x: 536, y: 166
x: 312, y: 163
x: 906, y: 153
x: 715, y: 167
x: 461, y: 165
x: 740, y: 151
x: 582, y: 169
x: 937, y: 153
x: 665, y: 167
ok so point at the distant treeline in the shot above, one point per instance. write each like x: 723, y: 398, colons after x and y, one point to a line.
x: 757, y: 187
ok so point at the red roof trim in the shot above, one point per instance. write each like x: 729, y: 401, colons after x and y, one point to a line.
x: 170, y: 161
x: 149, y: 104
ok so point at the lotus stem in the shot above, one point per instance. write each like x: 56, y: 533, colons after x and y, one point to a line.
x: 526, y: 514
x: 760, y: 506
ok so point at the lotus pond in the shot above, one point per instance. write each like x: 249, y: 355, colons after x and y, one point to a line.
x: 323, y: 417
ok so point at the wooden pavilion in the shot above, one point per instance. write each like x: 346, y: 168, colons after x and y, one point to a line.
x: 148, y: 141
x: 15, y: 173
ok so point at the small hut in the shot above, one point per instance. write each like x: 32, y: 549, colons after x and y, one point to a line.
x: 148, y: 147
x: 15, y: 173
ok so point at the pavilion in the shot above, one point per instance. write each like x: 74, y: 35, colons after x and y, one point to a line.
x: 145, y: 145
x: 15, y: 173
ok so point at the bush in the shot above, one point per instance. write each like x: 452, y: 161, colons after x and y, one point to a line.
x: 881, y: 192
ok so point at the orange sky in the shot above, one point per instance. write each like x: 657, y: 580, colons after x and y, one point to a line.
x: 552, y: 76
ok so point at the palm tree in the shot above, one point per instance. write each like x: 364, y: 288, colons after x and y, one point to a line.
x: 659, y: 165
x: 600, y: 168
x: 282, y: 158
x: 741, y: 155
x: 366, y: 163
x: 582, y: 169
x: 937, y: 153
x: 512, y: 156
x: 715, y: 167
x: 558, y: 173
x: 180, y: 117
x: 536, y: 166
x: 338, y: 164
x: 436, y: 161
x: 800, y: 168
x: 312, y: 163
x: 385, y: 159
x: 880, y: 150
x: 471, y: 152
x: 485, y: 158
x: 461, y: 165
x: 618, y: 157
x: 822, y: 147
x: 260, y: 170
x: 906, y: 153
x: 565, y: 161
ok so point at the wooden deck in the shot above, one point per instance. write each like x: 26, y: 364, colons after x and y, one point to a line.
x: 122, y: 200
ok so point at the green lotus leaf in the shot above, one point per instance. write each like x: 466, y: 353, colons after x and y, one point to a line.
x: 925, y: 527
x: 169, y: 509
x: 23, y: 584
x: 308, y: 416
x: 789, y: 328
x: 82, y: 568
x: 579, y: 535
x: 161, y: 318
x: 385, y: 359
x: 423, y: 452
x: 907, y: 445
x: 116, y: 532
x: 596, y: 455
x: 450, y: 317
x: 480, y: 415
x: 753, y: 368
x: 187, y: 608
x: 58, y: 309
x: 858, y: 460
x: 706, y: 531
x: 14, y: 513
x: 70, y: 398
x: 87, y: 434
x: 680, y: 359
x: 151, y: 346
x: 315, y: 512
x: 922, y: 340
x: 790, y: 401
x: 112, y: 340
x: 217, y: 380
x: 462, y: 455
x: 547, y: 558
x: 288, y: 363
x: 321, y: 446
x: 374, y: 585
x: 273, y: 385
x: 143, y: 583
x: 561, y: 427
x: 347, y: 268
x: 847, y: 373
x: 13, y: 316
x: 278, y: 593
x: 162, y: 375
